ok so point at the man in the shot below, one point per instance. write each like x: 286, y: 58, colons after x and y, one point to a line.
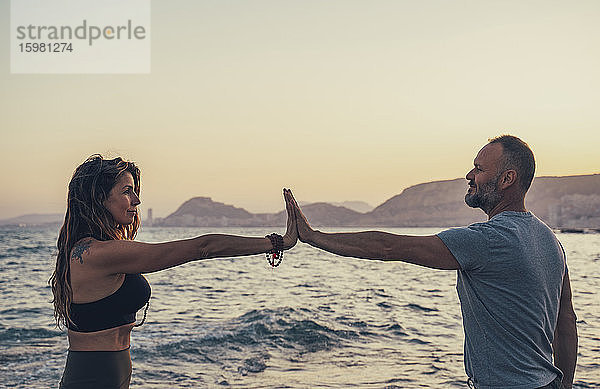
x: 513, y: 282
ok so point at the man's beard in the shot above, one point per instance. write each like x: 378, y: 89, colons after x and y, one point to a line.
x: 485, y: 197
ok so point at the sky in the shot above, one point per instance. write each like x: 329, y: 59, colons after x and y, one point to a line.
x: 338, y: 100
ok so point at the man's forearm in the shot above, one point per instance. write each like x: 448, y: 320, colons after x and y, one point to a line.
x: 428, y: 251
x: 565, y: 352
x: 367, y: 245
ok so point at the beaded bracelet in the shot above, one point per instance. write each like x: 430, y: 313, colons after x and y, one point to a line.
x: 275, y: 255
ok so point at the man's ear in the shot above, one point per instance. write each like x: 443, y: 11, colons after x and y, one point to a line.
x: 508, y: 179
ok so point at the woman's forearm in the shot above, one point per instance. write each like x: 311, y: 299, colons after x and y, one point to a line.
x: 221, y: 245
x: 147, y: 258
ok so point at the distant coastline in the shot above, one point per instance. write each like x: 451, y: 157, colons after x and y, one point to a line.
x: 563, y: 202
x: 34, y: 219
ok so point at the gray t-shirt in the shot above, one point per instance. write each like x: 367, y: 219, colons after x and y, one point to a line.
x: 509, y: 285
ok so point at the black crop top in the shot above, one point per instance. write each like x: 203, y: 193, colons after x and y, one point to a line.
x: 112, y: 311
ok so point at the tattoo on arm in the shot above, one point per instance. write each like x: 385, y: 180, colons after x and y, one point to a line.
x: 79, y: 249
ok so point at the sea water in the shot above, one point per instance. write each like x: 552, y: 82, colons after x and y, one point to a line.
x: 316, y: 321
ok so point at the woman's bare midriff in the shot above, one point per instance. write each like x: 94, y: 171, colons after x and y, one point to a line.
x: 112, y: 339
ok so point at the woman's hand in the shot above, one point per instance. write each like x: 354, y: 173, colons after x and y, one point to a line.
x: 291, y: 234
x: 303, y: 228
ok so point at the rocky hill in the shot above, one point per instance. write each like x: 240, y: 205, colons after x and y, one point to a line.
x: 439, y: 203
x: 324, y: 214
x: 204, y: 212
x: 570, y: 201
x: 358, y: 206
x: 35, y: 220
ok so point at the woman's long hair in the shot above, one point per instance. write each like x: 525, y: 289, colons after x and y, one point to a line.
x: 86, y: 216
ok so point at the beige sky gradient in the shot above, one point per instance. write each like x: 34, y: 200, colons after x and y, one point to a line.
x: 339, y: 100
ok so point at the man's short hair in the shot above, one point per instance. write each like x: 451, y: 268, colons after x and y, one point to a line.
x: 518, y: 156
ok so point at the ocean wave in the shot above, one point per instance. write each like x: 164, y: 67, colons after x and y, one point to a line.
x: 382, y: 293
x: 25, y: 251
x: 288, y: 327
x: 418, y: 307
x: 22, y: 311
x: 397, y: 329
x: 283, y: 328
x: 255, y: 364
x: 583, y: 384
x: 385, y: 305
x: 26, y: 334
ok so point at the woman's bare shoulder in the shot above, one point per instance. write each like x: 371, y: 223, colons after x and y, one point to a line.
x: 81, y: 249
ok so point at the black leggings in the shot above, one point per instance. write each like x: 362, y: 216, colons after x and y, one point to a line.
x: 97, y: 369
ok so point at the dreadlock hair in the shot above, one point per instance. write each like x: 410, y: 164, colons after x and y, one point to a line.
x: 87, y: 216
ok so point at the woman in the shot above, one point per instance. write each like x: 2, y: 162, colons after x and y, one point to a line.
x: 97, y: 283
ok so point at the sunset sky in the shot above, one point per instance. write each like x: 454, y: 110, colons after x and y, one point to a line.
x: 338, y: 100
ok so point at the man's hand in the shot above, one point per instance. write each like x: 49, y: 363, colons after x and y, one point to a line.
x: 303, y: 228
x: 428, y: 251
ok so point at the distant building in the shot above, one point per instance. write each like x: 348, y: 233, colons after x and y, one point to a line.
x: 149, y: 220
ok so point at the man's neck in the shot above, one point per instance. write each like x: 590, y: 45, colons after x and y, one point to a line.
x: 517, y: 205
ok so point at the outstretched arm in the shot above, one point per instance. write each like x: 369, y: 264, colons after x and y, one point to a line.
x: 428, y: 251
x: 565, y: 336
x: 122, y: 256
